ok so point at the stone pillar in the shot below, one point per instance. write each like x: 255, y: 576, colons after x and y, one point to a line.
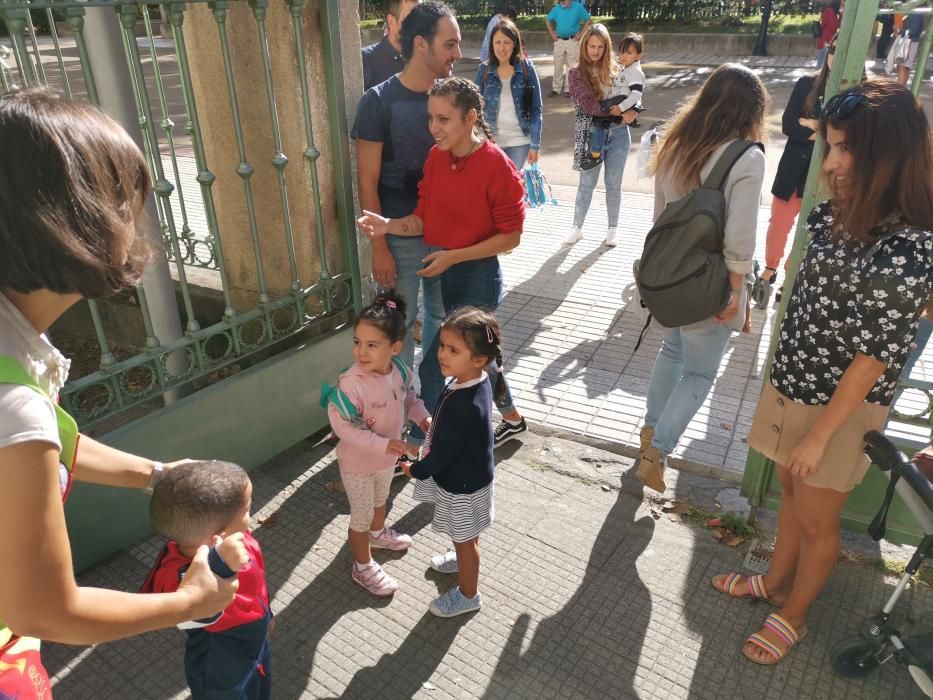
x: 217, y: 127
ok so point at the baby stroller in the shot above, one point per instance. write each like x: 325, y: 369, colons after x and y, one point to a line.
x: 878, y: 641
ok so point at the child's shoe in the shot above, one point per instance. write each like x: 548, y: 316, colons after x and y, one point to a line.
x: 590, y: 161
x: 374, y: 579
x: 611, y: 237
x: 445, y: 563
x: 389, y: 539
x: 453, y: 603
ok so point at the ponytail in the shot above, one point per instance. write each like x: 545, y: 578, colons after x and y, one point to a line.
x: 500, y: 388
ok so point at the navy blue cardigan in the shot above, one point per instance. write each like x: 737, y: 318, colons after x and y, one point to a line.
x: 460, y: 452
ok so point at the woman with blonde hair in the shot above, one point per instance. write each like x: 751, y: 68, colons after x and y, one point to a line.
x: 730, y: 106
x: 590, y: 81
x: 865, y: 280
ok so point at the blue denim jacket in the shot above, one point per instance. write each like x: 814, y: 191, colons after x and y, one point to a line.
x: 491, y: 86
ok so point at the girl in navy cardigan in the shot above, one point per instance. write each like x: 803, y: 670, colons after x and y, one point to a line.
x: 455, y: 468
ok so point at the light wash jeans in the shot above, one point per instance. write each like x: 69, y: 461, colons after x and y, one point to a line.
x: 682, y: 377
x: 517, y: 154
x: 821, y: 56
x: 615, y: 153
x: 472, y: 283
x: 408, y: 252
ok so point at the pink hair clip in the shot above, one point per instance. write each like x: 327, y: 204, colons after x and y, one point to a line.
x: 391, y: 304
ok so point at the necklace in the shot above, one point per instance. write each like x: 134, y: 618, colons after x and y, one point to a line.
x: 455, y: 160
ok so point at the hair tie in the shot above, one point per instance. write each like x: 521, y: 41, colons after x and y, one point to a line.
x: 390, y: 304
x: 489, y: 336
x: 499, y: 369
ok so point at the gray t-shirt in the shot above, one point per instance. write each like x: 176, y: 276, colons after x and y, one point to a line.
x: 396, y: 117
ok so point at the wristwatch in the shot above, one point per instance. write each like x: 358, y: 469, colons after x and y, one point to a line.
x: 157, y: 470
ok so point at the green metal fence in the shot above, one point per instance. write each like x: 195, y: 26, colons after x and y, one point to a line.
x: 760, y: 483
x: 159, y: 71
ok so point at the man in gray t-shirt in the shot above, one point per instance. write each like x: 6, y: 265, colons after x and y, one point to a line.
x: 392, y: 144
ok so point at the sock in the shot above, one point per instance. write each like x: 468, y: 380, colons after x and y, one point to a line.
x: 360, y: 567
x: 513, y: 422
x: 376, y: 533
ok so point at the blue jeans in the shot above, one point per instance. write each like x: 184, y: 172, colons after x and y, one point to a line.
x: 472, y: 283
x: 408, y: 252
x: 821, y: 56
x: 517, y: 154
x: 682, y: 377
x: 615, y: 152
x: 598, y: 139
x: 924, y: 331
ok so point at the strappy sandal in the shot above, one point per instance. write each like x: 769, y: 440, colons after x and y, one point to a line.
x: 785, y: 632
x: 756, y: 587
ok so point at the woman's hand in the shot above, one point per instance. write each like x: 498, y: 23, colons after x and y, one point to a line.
x: 732, y: 308
x: 208, y: 594
x: 615, y: 111
x: 805, y: 459
x: 532, y: 156
x: 811, y: 124
x: 437, y: 262
x: 425, y: 425
x: 398, y: 448
x: 372, y: 224
x: 629, y: 116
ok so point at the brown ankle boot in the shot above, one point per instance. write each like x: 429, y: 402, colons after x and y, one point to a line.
x: 647, y: 432
x: 651, y: 470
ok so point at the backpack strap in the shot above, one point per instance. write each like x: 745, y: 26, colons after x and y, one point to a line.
x: 12, y: 372
x: 404, y: 370
x: 716, y: 180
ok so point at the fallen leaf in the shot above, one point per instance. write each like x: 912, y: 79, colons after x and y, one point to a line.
x: 270, y: 521
x: 726, y: 426
x: 714, y: 522
x: 334, y: 486
x: 734, y: 540
x: 675, y: 517
x: 656, y: 512
x: 718, y: 533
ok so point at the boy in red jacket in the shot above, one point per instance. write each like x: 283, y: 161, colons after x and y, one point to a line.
x: 197, y: 503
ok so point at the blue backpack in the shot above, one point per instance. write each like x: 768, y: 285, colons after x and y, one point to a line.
x: 349, y: 412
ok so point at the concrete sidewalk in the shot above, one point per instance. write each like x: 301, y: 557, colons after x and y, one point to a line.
x: 586, y: 595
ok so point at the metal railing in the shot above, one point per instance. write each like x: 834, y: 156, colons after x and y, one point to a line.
x: 184, y: 187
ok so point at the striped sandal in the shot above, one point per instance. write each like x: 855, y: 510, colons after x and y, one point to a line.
x: 756, y: 587
x: 784, y: 631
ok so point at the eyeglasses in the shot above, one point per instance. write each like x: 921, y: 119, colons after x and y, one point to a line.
x: 842, y: 106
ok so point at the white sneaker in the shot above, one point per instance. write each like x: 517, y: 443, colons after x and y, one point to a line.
x: 575, y: 235
x: 611, y: 237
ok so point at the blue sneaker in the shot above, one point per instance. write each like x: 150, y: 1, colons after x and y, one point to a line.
x: 453, y: 603
x: 445, y: 563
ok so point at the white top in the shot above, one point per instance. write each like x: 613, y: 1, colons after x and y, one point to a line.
x: 508, y: 131
x: 24, y: 414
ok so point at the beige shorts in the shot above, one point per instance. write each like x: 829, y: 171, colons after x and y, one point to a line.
x: 366, y: 492
x: 781, y: 423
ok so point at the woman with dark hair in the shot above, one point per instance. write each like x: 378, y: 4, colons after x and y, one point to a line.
x: 471, y: 208
x: 730, y: 106
x: 72, y: 185
x: 799, y: 124
x: 515, y: 123
x: 865, y: 280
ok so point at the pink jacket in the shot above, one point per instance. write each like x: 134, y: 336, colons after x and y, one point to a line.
x: 383, y: 404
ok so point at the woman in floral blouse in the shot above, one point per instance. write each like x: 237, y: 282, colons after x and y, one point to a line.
x: 866, y: 278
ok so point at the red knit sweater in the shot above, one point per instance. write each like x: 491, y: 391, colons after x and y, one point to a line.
x: 482, y: 197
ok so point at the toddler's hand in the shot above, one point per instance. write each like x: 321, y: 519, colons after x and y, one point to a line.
x: 232, y: 550
x: 406, y: 468
x: 399, y: 448
x: 425, y: 425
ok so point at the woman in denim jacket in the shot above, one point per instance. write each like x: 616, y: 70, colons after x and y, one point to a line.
x: 518, y: 134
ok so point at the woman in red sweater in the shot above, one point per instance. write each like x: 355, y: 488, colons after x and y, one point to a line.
x: 471, y: 207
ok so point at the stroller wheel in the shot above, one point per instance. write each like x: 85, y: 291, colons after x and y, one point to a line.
x: 761, y: 293
x: 854, y: 658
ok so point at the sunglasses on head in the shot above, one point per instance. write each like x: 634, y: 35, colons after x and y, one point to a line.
x: 842, y: 106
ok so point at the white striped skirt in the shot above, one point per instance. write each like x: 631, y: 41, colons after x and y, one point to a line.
x: 460, y: 516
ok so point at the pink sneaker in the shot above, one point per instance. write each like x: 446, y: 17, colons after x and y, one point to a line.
x: 375, y: 580
x: 389, y: 539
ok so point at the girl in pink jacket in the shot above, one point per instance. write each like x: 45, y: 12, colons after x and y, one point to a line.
x: 367, y: 411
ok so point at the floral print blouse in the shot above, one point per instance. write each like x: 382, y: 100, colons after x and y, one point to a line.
x: 850, y: 298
